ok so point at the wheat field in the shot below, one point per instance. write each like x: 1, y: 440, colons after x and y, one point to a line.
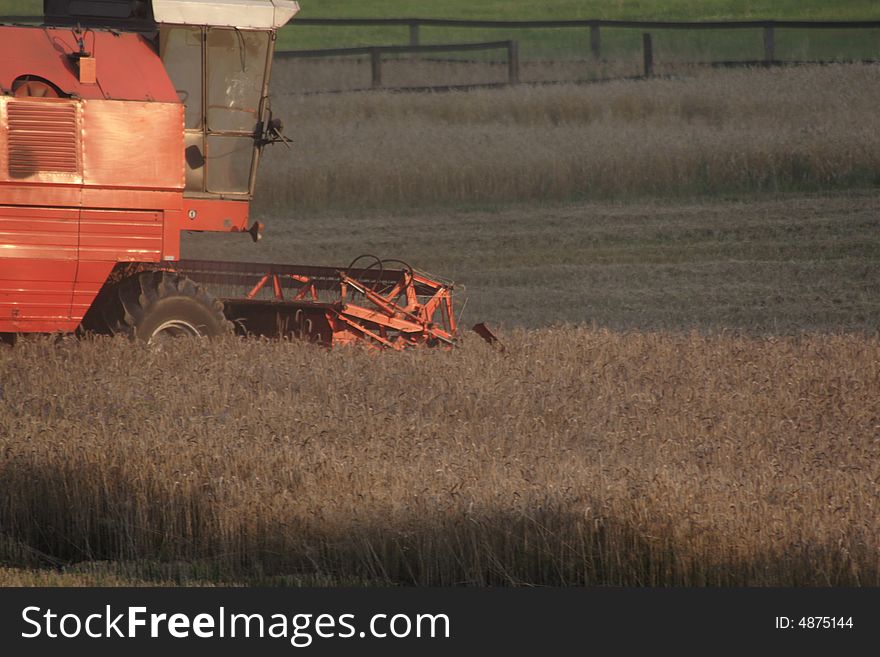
x: 688, y: 396
x: 578, y: 456
x: 746, y: 131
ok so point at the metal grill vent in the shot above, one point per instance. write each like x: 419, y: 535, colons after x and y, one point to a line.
x: 42, y: 138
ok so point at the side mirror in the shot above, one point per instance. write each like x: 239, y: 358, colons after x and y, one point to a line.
x: 271, y: 133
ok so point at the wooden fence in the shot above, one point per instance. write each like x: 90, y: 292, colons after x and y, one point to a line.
x: 595, y: 26
x: 376, y: 52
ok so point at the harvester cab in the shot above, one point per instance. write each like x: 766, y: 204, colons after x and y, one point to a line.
x: 221, y: 73
x: 218, y: 56
x: 124, y: 123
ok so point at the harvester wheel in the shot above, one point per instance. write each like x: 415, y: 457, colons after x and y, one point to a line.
x: 157, y: 305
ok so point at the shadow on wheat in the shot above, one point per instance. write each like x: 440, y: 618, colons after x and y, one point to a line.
x: 581, y: 457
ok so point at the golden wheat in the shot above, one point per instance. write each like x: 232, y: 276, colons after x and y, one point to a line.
x: 578, y: 457
x: 756, y: 130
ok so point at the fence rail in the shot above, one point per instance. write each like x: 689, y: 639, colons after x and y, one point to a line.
x: 376, y: 52
x: 595, y: 24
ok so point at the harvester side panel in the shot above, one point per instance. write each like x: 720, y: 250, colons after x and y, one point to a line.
x: 107, y: 237
x: 38, y: 268
x: 85, y: 182
x: 132, y: 145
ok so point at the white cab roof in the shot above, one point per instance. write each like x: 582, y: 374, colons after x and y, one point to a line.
x: 255, y: 14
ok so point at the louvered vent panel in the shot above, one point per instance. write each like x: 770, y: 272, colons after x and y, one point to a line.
x: 42, y: 138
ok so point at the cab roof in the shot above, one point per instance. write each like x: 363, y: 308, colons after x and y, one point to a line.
x: 244, y: 14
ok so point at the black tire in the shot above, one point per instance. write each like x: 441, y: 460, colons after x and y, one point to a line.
x: 155, y: 305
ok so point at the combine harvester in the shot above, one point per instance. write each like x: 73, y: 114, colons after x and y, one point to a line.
x: 125, y: 122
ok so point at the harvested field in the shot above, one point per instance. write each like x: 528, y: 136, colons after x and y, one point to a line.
x: 775, y: 265
x: 579, y: 457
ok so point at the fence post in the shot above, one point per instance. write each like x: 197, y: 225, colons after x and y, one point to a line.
x: 512, y: 62
x: 376, y: 67
x: 769, y: 44
x: 414, y: 33
x: 595, y: 41
x: 648, y: 52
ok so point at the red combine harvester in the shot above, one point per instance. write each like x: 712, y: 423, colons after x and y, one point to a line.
x: 123, y: 123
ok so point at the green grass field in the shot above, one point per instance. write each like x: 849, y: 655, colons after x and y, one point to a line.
x: 740, y: 44
x: 617, y: 43
x: 562, y: 9
x: 632, y: 9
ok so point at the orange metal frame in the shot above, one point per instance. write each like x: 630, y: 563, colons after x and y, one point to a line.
x: 381, y: 320
x: 386, y: 308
